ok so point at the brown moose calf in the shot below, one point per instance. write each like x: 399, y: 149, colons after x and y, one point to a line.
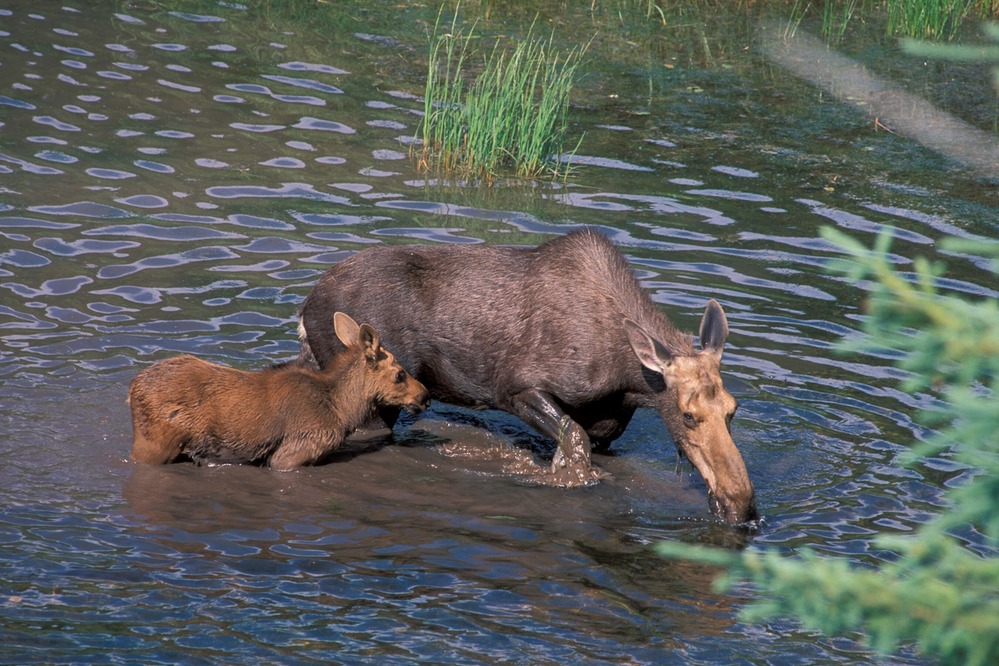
x: 285, y: 416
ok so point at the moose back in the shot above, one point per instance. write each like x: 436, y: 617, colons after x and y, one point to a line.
x: 561, y: 335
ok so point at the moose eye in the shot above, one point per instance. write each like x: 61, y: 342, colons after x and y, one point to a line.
x: 689, y: 420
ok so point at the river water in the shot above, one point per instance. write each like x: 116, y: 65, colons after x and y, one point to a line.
x: 174, y: 182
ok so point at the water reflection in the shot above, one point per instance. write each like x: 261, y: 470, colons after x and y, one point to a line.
x: 174, y: 182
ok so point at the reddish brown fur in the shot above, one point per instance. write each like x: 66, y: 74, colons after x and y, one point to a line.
x: 285, y: 416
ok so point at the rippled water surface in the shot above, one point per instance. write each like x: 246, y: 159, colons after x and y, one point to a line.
x: 175, y: 182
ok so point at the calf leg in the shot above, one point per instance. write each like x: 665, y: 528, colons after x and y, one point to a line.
x: 305, y: 449
x: 157, y: 450
x: 540, y: 411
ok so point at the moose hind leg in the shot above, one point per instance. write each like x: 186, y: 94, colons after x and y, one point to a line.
x: 540, y: 411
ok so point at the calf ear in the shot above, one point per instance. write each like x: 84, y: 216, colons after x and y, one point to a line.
x: 370, y: 344
x: 346, y: 329
x: 650, y: 352
x: 714, y: 328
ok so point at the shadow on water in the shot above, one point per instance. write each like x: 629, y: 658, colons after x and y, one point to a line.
x: 174, y: 180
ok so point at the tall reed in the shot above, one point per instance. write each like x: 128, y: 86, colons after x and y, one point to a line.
x: 836, y: 16
x: 512, y: 115
x: 930, y: 19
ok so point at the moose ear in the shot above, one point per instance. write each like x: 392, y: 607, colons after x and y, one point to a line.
x: 345, y: 328
x: 714, y: 328
x: 370, y: 343
x: 650, y: 352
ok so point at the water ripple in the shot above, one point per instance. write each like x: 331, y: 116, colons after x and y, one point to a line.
x: 83, y: 209
x: 304, y: 83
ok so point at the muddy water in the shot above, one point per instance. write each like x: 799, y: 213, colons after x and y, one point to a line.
x: 175, y: 181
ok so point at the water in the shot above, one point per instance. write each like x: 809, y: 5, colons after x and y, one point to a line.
x: 175, y: 181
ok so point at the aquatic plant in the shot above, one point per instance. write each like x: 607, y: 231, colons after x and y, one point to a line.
x: 932, y: 19
x: 836, y: 16
x: 928, y: 19
x: 513, y: 114
x: 937, y: 589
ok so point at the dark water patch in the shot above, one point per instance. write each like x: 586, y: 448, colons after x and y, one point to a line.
x: 152, y: 231
x: 268, y: 265
x: 856, y: 222
x: 27, y: 222
x: 154, y: 166
x: 298, y: 66
x: 166, y: 83
x: 605, y: 162
x: 117, y: 76
x: 30, y: 167
x: 144, y: 201
x: 73, y: 50
x: 173, y: 48
x: 735, y: 196
x: 197, y: 18
x: 129, y: 66
x: 428, y: 234
x: 56, y: 287
x: 286, y: 190
x: 308, y: 123
x: 736, y: 172
x: 304, y: 83
x: 61, y: 248
x: 254, y: 222
x: 284, y: 163
x: 20, y: 104
x: 174, y: 134
x: 22, y: 259
x: 275, y: 245
x: 56, y: 124
x: 256, y: 127
x: 56, y: 156
x: 612, y: 202
x: 83, y: 209
x: 110, y: 174
x: 328, y: 219
x: 209, y: 253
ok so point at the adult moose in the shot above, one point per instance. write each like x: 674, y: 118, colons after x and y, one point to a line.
x: 561, y: 335
x: 286, y: 416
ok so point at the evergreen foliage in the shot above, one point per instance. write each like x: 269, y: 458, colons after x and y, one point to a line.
x: 941, y: 592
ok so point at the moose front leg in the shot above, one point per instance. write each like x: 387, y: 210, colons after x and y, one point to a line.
x: 571, y: 463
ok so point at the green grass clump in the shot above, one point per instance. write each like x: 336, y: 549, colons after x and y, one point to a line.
x: 511, y: 116
x: 929, y: 19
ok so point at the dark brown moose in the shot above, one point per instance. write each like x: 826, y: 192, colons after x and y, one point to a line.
x: 285, y: 416
x: 561, y: 335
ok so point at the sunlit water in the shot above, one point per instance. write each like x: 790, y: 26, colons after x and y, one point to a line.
x: 174, y: 182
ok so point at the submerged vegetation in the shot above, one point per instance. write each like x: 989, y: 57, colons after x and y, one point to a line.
x: 511, y: 115
x: 940, y: 587
x: 925, y: 19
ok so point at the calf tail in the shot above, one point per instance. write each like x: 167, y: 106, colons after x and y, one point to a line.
x: 305, y: 355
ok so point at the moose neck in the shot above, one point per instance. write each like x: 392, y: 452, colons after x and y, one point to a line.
x: 345, y: 386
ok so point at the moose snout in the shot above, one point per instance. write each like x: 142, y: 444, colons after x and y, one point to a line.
x: 735, y: 510
x: 418, y: 405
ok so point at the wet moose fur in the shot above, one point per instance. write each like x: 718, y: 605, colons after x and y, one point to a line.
x: 285, y: 416
x: 561, y: 335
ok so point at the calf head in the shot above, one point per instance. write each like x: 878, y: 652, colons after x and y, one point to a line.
x: 385, y: 379
x: 697, y: 410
